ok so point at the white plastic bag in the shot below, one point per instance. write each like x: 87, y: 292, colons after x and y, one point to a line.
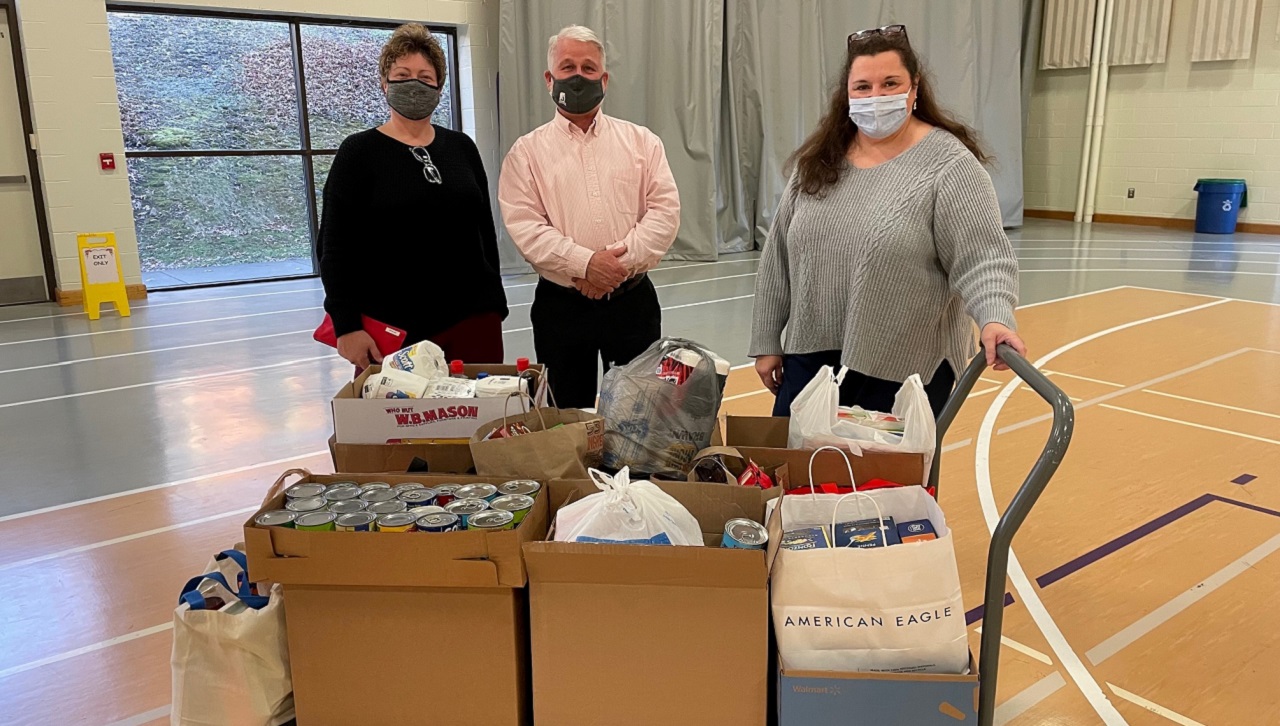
x: 894, y: 609
x: 230, y: 665
x: 627, y: 512
x: 815, y: 420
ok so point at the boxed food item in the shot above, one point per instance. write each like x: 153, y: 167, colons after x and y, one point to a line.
x: 687, y: 627
x: 376, y: 617
x: 824, y: 698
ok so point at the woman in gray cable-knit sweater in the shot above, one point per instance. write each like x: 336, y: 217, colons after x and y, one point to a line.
x: 887, y: 245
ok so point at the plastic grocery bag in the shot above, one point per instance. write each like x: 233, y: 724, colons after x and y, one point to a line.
x: 627, y: 512
x: 888, y: 609
x: 230, y: 662
x: 660, y: 409
x: 816, y: 420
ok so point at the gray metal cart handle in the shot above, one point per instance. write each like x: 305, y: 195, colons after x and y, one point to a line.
x: 1016, y: 513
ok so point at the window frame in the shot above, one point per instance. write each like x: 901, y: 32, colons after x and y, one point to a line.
x: 305, y: 149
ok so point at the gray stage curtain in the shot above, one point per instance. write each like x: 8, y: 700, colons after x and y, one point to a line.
x: 734, y: 86
x: 782, y: 62
x: 1032, y: 25
x: 664, y: 73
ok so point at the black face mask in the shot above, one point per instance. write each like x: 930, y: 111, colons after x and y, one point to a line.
x: 576, y: 94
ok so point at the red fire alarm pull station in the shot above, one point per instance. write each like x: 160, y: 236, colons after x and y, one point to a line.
x: 108, y: 161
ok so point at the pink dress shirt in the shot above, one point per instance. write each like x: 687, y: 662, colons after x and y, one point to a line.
x: 566, y: 194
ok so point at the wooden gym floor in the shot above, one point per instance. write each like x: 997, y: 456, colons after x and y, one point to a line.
x: 1142, y: 589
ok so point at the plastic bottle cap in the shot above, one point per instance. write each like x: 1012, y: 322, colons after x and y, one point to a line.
x: 481, y: 376
x: 522, y: 364
x: 455, y: 366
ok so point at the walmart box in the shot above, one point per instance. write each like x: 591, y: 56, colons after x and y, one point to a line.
x: 819, y: 698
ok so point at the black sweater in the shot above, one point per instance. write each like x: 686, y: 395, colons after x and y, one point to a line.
x: 406, y: 252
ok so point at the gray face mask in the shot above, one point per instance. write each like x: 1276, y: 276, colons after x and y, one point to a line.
x: 412, y: 98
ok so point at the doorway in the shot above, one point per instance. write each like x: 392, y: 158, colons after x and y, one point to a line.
x: 24, y: 262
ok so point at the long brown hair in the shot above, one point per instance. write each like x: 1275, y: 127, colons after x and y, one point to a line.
x: 820, y: 159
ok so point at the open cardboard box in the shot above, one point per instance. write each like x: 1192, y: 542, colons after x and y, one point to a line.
x: 763, y: 439
x: 403, y: 627
x: 358, y: 420
x: 823, y: 698
x: 633, y: 635
x: 398, y: 458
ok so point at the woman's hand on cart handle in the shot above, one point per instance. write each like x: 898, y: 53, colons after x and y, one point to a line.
x: 993, y: 334
x: 769, y: 368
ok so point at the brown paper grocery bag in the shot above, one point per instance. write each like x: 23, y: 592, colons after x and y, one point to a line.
x: 562, y: 444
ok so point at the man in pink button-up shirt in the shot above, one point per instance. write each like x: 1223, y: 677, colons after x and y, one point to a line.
x: 590, y: 202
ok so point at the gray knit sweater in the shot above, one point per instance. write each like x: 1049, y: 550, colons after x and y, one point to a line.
x: 891, y: 265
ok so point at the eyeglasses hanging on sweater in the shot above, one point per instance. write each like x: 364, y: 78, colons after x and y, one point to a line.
x: 429, y: 169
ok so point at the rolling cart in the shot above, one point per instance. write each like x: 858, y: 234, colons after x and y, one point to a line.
x: 1016, y: 513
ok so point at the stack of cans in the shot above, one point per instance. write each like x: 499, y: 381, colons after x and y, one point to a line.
x: 346, y: 506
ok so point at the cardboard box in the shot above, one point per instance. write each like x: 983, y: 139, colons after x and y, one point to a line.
x: 819, y: 698
x: 403, y: 628
x: 398, y: 458
x: 764, y: 440
x: 630, y: 635
x: 377, y: 421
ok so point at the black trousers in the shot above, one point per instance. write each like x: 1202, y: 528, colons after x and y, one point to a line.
x: 571, y: 333
x: 873, y: 394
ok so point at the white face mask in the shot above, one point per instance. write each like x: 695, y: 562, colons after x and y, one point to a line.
x: 879, y: 116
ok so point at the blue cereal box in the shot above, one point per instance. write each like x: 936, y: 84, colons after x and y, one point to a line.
x: 806, y: 538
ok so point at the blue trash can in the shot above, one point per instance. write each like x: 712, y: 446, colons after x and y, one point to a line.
x: 1219, y: 205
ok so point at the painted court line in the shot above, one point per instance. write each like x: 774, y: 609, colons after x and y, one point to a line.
x: 1171, y: 609
x: 166, y: 485
x: 1212, y: 403
x: 1028, y: 698
x: 1083, y: 378
x: 1017, y: 575
x: 126, y: 538
x: 103, y: 645
x: 182, y: 379
x: 1024, y: 649
x: 1193, y: 424
x: 1200, y: 294
x: 60, y: 364
x: 1124, y: 270
x: 144, y: 718
x: 1090, y: 258
x: 163, y: 325
x: 745, y: 395
x: 1155, y: 708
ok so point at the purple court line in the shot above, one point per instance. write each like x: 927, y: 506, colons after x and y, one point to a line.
x: 976, y: 614
x: 1243, y: 479
x: 1134, y: 535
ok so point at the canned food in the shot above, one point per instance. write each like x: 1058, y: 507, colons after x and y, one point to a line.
x: 464, y: 508
x: 374, y: 485
x: 446, y: 493
x: 744, y: 534
x: 418, y: 497
x: 518, y: 504
x: 439, y: 522
x: 343, y: 485
x: 348, y: 506
x: 304, y: 491
x: 276, y: 518
x: 378, y: 495
x: 341, y: 494
x: 429, y: 509
x: 402, y: 488
x: 397, y: 522
x: 486, y: 492
x: 355, y: 522
x: 391, y: 507
x: 309, y: 504
x: 315, y: 522
x: 493, y: 519
x: 520, y: 486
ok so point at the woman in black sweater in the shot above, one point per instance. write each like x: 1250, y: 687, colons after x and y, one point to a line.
x: 407, y: 236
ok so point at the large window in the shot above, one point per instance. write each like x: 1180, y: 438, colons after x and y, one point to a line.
x: 230, y: 126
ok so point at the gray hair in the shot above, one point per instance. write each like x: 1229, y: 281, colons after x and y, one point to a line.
x: 574, y: 32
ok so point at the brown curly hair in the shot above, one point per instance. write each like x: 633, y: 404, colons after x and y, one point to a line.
x: 820, y: 159
x: 408, y: 39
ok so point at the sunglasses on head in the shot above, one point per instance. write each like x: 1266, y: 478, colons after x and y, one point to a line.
x: 888, y: 31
